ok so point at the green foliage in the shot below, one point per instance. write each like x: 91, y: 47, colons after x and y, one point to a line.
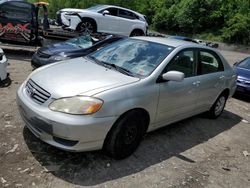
x: 227, y: 18
x: 237, y: 29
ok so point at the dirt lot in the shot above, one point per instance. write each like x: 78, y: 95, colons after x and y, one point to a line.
x: 196, y: 152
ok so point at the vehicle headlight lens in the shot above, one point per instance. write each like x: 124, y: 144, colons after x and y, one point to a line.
x: 79, y: 105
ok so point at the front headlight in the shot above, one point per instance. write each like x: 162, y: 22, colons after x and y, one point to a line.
x: 79, y: 105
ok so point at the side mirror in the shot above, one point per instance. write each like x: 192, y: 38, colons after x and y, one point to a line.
x: 173, y: 76
x: 105, y: 12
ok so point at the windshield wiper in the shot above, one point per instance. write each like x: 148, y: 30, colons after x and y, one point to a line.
x: 112, y: 65
x: 120, y: 69
x: 99, y: 62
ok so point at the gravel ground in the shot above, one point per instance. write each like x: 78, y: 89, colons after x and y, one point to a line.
x: 196, y: 152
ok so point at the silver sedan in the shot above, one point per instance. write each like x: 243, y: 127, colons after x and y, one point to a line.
x: 111, y: 98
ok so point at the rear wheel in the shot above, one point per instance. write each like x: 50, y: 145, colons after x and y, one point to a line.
x: 218, y: 107
x: 86, y: 27
x: 126, y: 135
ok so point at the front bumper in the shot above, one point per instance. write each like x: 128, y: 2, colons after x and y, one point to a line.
x: 243, y: 88
x: 68, y: 132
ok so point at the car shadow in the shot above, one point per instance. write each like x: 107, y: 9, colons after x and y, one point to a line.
x: 93, y: 168
x: 242, y: 97
x: 21, y: 55
x: 5, y: 83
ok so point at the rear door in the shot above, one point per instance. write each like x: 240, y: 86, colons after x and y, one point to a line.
x: 16, y: 22
x: 211, y: 77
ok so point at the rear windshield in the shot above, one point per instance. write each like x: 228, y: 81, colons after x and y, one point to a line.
x: 16, y: 10
x: 81, y: 42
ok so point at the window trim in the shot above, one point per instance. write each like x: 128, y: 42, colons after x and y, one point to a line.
x: 195, y: 50
x: 216, y: 56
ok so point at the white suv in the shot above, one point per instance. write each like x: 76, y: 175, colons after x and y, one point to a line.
x: 3, y: 65
x: 105, y: 19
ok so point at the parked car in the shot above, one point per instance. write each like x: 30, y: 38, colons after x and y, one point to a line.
x: 103, y: 18
x: 71, y: 48
x: 183, y: 38
x: 3, y: 65
x: 112, y: 97
x: 243, y: 79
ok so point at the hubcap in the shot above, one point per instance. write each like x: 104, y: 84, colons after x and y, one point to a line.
x: 87, y: 28
x: 220, y: 105
x: 130, y: 134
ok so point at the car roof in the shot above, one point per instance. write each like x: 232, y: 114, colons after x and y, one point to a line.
x: 168, y: 41
x: 114, y: 6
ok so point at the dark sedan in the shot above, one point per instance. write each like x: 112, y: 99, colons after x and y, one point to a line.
x: 72, y: 48
x: 243, y: 80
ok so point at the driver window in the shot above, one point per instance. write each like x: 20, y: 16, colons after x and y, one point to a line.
x: 112, y: 11
x: 183, y: 62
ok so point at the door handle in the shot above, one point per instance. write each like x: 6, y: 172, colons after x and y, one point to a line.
x: 222, y: 77
x: 196, y: 83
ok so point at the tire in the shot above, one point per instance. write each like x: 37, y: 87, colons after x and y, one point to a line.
x: 126, y: 135
x: 137, y: 32
x: 218, y: 107
x: 86, y: 27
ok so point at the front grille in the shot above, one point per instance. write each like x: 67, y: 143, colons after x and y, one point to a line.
x: 243, y: 81
x: 42, y: 55
x: 36, y: 93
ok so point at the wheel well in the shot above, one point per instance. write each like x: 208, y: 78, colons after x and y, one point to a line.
x: 90, y: 20
x: 140, y: 30
x: 141, y: 110
x: 225, y: 92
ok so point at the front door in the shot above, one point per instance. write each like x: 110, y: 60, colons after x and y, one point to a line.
x: 109, y: 23
x: 177, y: 100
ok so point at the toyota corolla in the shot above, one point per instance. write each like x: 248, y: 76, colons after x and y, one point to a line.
x: 109, y: 99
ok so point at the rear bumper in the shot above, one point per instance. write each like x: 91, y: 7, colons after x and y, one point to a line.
x: 3, y: 70
x: 68, y: 132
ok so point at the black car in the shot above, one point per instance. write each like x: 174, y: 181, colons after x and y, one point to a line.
x: 75, y: 47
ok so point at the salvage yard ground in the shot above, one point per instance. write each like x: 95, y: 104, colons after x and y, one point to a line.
x: 197, y: 152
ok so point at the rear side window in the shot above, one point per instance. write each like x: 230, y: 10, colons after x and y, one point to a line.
x: 183, y: 62
x: 16, y: 10
x: 126, y: 14
x: 209, y: 62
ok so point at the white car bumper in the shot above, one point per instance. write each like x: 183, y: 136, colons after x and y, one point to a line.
x: 3, y: 65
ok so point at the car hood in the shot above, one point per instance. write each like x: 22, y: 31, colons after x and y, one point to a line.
x: 75, y: 10
x: 78, y: 77
x: 243, y: 73
x: 54, y: 49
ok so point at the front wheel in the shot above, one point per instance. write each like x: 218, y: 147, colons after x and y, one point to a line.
x: 218, y: 107
x: 86, y: 27
x: 125, y: 136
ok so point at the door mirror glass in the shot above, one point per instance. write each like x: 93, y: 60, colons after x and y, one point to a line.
x: 173, y: 76
x: 105, y: 12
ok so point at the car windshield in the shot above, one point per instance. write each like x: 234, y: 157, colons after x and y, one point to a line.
x: 82, y: 42
x: 245, y: 63
x: 96, y: 8
x: 137, y: 57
